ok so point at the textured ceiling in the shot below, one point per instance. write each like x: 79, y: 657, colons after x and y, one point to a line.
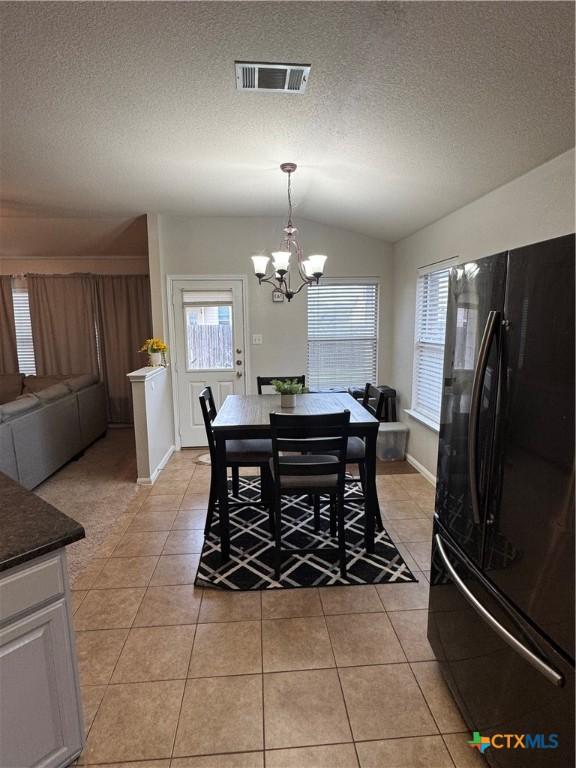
x: 412, y: 109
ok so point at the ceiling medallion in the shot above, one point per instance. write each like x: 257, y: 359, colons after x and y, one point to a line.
x: 309, y: 270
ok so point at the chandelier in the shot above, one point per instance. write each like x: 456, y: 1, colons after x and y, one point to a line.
x: 309, y: 271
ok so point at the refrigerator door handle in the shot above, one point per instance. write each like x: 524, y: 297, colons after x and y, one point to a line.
x: 489, y: 331
x: 539, y: 664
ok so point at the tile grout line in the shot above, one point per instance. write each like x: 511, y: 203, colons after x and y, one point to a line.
x: 108, y: 683
x: 420, y: 688
x: 183, y: 694
x: 185, y: 683
x: 453, y: 759
x: 341, y: 689
x: 262, y: 678
x: 248, y: 674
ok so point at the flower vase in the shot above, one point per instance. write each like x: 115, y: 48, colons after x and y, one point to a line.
x: 287, y: 401
x: 155, y: 359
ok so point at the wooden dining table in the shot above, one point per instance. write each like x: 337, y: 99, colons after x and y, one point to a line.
x: 242, y: 417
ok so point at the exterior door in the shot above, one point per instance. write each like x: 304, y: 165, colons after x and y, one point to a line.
x: 210, y: 347
x: 475, y: 295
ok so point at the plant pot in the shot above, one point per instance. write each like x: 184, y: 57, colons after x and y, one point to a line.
x: 287, y: 401
x: 155, y: 359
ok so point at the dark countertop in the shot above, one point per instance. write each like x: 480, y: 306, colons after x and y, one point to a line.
x: 29, y: 526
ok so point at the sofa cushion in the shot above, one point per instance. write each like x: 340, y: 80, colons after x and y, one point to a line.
x: 18, y: 407
x: 55, y: 392
x: 33, y: 384
x: 76, y: 383
x: 10, y: 386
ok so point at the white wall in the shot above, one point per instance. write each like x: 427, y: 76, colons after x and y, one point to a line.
x: 534, y: 207
x: 212, y: 245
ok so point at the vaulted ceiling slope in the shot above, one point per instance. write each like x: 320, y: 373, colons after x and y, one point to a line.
x: 412, y: 109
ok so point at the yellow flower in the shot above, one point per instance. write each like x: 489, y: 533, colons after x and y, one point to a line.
x: 153, y: 345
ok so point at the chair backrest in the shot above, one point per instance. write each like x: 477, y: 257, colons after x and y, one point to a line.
x: 381, y: 402
x: 374, y: 401
x: 266, y: 381
x: 208, y: 408
x: 389, y: 404
x: 318, y: 434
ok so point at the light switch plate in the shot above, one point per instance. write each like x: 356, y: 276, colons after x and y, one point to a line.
x: 256, y: 338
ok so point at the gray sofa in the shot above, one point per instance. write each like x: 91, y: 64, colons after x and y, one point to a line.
x: 50, y: 421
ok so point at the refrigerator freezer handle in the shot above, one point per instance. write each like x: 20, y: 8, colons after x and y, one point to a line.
x: 545, y: 669
x: 489, y: 331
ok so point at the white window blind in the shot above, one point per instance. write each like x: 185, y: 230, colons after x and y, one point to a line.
x: 24, y: 344
x: 342, y: 334
x: 431, y: 306
x: 207, y: 297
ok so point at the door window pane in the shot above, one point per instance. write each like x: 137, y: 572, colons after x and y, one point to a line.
x: 208, y: 337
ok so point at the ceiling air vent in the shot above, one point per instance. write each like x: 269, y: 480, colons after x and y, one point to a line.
x: 281, y: 78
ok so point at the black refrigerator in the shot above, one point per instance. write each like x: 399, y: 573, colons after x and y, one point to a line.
x: 501, y: 610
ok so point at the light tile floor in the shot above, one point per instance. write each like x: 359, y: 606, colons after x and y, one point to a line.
x: 179, y: 677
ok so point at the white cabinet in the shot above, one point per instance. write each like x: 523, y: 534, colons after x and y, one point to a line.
x: 40, y: 711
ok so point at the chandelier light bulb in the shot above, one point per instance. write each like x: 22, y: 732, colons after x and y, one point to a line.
x: 260, y: 265
x: 281, y: 260
x: 316, y: 264
x: 307, y: 266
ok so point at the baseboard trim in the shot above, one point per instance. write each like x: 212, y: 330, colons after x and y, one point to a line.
x: 154, y: 476
x: 421, y: 468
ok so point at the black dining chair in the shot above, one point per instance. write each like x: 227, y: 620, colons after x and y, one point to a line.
x: 266, y: 381
x: 309, y: 459
x: 374, y: 401
x: 380, y: 401
x: 239, y: 453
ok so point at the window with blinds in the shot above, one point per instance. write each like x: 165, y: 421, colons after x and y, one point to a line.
x: 342, y: 334
x: 431, y: 306
x: 24, y: 344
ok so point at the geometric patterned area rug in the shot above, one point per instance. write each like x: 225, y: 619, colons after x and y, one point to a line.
x: 252, y: 549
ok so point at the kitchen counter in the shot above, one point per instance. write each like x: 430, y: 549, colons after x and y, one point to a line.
x: 40, y: 706
x: 29, y: 526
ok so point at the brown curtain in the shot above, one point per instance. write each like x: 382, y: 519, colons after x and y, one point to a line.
x: 8, y: 353
x: 63, y: 314
x: 124, y: 322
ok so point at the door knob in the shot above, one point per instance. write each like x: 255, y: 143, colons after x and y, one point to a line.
x: 238, y: 374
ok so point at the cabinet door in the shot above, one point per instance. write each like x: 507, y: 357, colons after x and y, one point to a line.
x: 40, y: 715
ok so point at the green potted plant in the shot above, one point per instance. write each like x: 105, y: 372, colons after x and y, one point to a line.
x: 288, y: 390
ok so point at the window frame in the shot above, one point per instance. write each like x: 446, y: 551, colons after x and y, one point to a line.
x: 413, y: 411
x: 343, y: 281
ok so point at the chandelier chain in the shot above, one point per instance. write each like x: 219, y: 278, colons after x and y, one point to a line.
x: 290, y: 199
